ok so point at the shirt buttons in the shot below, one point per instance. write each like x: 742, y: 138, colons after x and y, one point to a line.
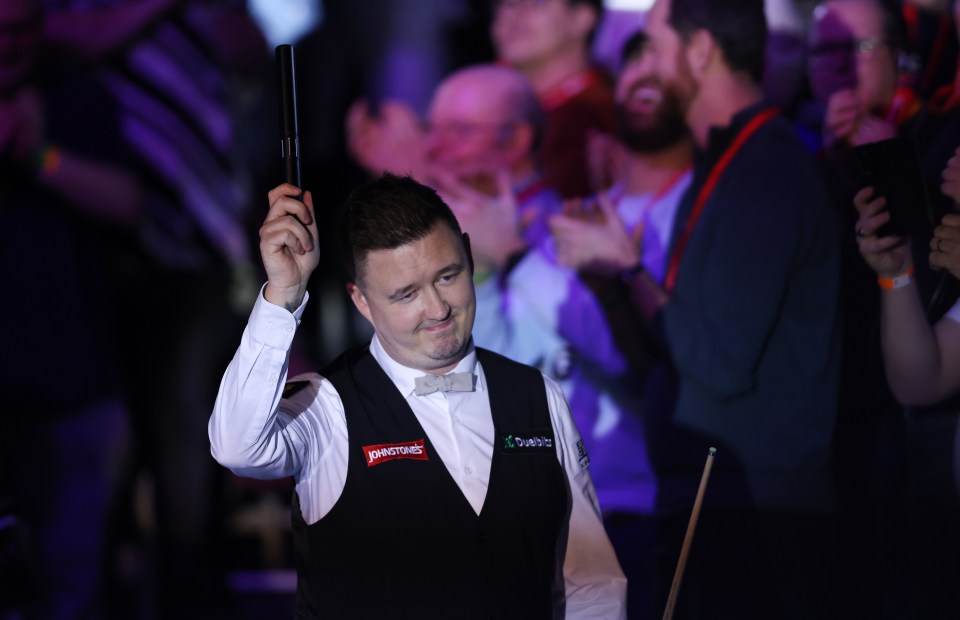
x: 456, y: 418
x: 468, y: 470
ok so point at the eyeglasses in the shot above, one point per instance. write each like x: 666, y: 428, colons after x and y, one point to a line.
x: 861, y: 47
x: 457, y: 131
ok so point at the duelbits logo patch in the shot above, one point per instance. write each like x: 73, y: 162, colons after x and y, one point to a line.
x: 531, y: 442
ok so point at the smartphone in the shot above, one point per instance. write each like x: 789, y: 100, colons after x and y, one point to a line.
x: 892, y: 168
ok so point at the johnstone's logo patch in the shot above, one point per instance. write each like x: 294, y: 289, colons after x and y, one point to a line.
x: 414, y: 450
x: 531, y: 442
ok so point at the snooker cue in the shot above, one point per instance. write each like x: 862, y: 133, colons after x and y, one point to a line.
x: 688, y: 538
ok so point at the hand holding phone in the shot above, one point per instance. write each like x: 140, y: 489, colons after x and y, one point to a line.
x: 892, y: 168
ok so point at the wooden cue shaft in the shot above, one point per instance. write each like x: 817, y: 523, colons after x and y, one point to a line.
x: 688, y: 538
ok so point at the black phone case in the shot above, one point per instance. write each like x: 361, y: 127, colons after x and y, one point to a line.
x: 892, y: 168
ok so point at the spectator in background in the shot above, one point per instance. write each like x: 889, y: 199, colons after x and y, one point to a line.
x: 484, y: 126
x: 655, y: 174
x: 747, y: 315
x: 856, y: 45
x: 171, y: 69
x: 922, y: 361
x: 68, y: 202
x: 549, y: 42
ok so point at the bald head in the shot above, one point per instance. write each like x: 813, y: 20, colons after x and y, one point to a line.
x: 501, y: 93
x: 483, y: 117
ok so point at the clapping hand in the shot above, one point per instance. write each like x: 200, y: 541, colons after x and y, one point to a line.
x: 591, y: 238
x: 491, y: 221
x: 389, y: 141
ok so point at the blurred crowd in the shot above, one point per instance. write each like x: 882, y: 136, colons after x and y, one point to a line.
x: 728, y: 225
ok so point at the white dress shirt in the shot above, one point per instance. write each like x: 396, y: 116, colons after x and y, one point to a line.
x: 256, y: 433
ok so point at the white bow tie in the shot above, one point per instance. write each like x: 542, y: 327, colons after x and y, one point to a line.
x: 455, y: 381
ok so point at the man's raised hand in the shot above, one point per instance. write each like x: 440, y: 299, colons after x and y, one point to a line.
x: 288, y: 246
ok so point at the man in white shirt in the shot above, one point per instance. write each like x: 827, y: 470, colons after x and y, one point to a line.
x: 411, y: 499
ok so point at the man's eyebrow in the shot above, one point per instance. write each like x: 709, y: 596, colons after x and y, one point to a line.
x: 455, y: 266
x: 400, y: 292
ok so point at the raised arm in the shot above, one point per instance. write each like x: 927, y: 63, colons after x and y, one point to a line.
x: 922, y: 361
x: 250, y: 431
x: 288, y: 246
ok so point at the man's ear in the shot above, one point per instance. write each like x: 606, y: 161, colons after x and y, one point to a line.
x: 519, y: 144
x: 466, y: 248
x: 359, y: 300
x: 702, y: 51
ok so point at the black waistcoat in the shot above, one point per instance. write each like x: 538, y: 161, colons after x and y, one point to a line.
x: 403, y: 541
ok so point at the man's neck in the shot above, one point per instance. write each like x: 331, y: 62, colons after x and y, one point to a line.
x: 718, y: 101
x: 649, y: 172
x: 548, y: 73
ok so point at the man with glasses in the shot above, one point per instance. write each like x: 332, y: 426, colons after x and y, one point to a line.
x: 855, y: 49
x: 912, y: 491
x: 483, y: 130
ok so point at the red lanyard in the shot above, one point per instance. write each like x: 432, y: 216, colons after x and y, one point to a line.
x: 714, y: 177
x: 530, y: 191
x: 903, y: 107
x: 567, y: 89
x: 946, y: 97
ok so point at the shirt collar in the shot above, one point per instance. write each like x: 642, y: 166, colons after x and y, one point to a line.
x: 719, y: 138
x: 403, y: 376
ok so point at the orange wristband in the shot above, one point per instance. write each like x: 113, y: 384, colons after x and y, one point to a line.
x: 905, y: 278
x: 48, y: 159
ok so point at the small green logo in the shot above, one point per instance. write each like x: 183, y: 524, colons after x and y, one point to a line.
x: 508, y: 443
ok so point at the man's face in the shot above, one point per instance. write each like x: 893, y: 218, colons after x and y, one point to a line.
x: 468, y: 130
x: 649, y: 116
x: 19, y: 39
x: 846, y: 39
x: 420, y: 300
x: 667, y: 57
x: 528, y: 32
